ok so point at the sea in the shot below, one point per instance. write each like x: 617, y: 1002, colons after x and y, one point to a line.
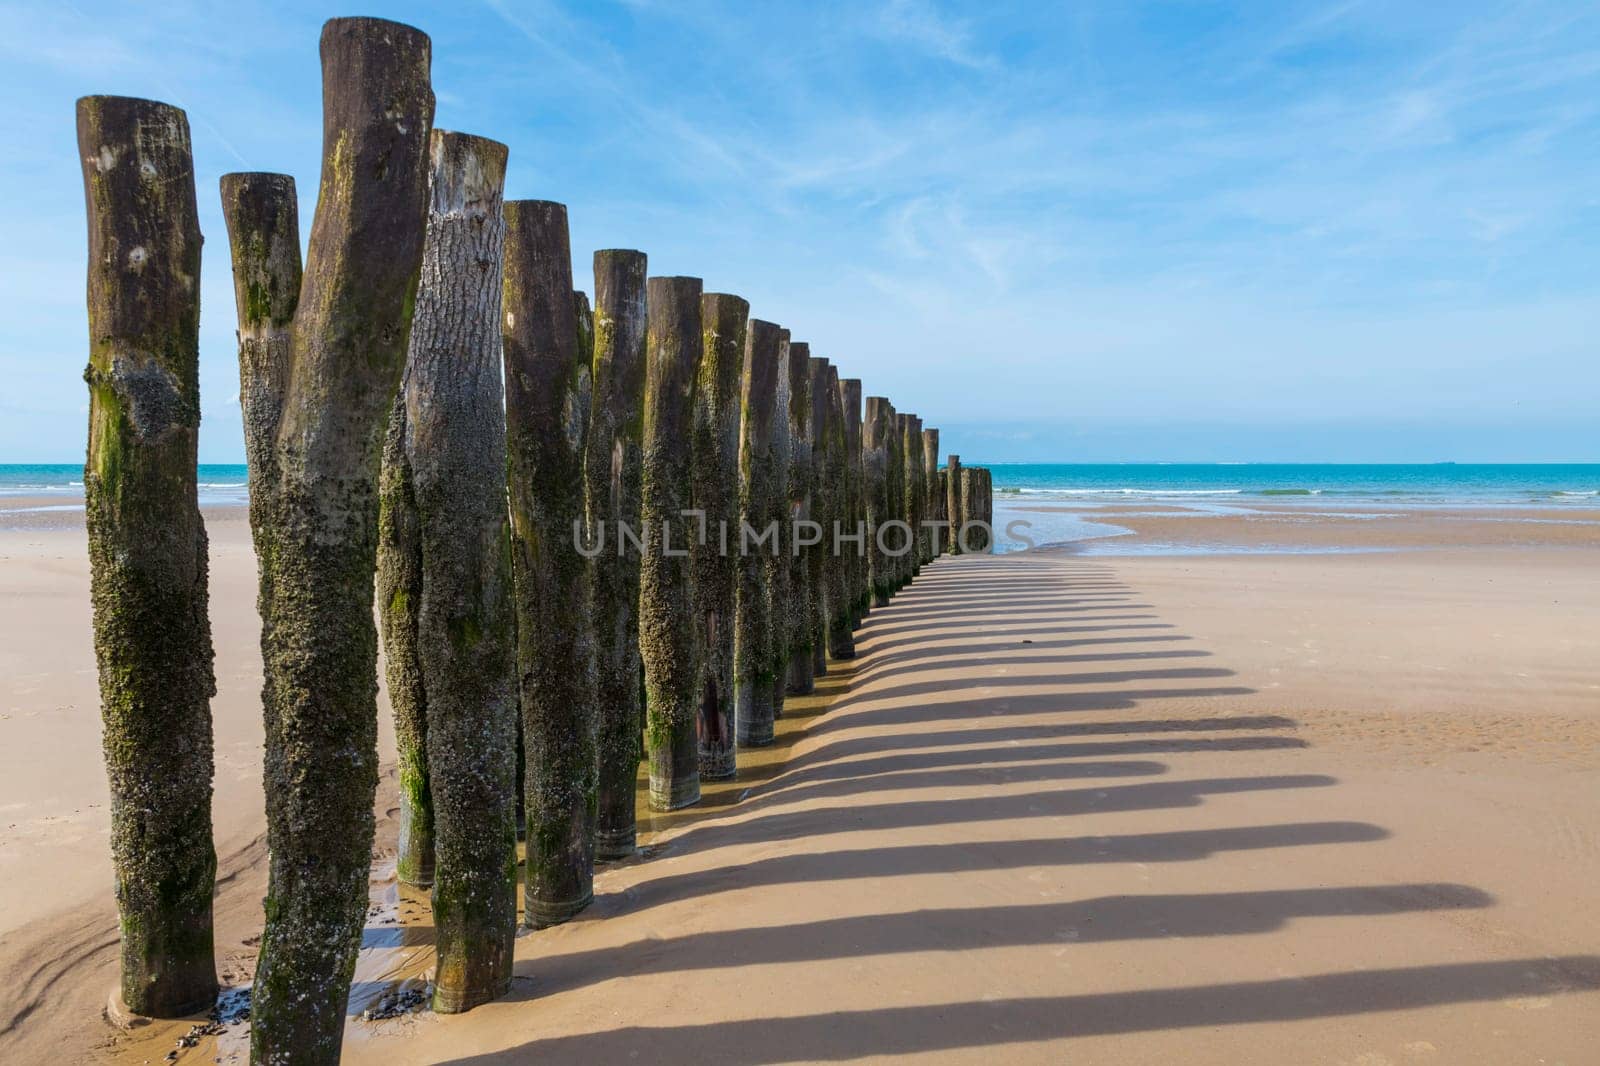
x: 1217, y: 488
x: 1241, y: 489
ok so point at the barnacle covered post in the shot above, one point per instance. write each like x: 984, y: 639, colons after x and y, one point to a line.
x: 898, y: 538
x: 147, y: 544
x: 932, y: 501
x: 715, y: 492
x: 836, y: 490
x: 799, y: 672
x: 314, y: 509
x: 547, y: 408
x: 611, y: 478
x: 858, y: 583
x: 952, y: 504
x: 757, y: 546
x: 669, y: 641
x: 876, y: 491
x: 444, y: 583
x: 781, y: 565
x: 970, y: 538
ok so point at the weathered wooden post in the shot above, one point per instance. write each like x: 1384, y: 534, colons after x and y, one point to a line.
x: 669, y: 641
x: 781, y: 568
x: 899, y: 537
x: 933, y: 501
x: 147, y: 544
x: 760, y: 514
x: 858, y: 585
x: 836, y: 489
x: 876, y: 492
x: 969, y: 539
x: 952, y: 505
x: 612, y: 459
x: 444, y: 583
x: 715, y: 492
x: 547, y: 406
x: 314, y: 513
x: 822, y: 513
x: 986, y: 506
x: 800, y: 672
x: 916, y: 496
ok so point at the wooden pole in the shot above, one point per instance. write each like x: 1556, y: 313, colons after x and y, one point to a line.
x: 612, y: 462
x: 822, y: 513
x: 970, y: 540
x: 876, y: 492
x: 668, y: 638
x: 800, y: 671
x: 444, y: 583
x: 147, y: 544
x: 899, y: 502
x: 916, y: 495
x: 858, y: 585
x: 836, y: 561
x: 547, y: 404
x: 715, y: 451
x: 952, y: 506
x: 933, y: 500
x: 760, y: 510
x: 781, y: 568
x: 315, y: 513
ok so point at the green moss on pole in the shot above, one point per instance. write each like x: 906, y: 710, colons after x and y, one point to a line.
x: 444, y: 584
x: 715, y: 492
x: 547, y: 376
x: 315, y: 513
x: 147, y: 544
x: 760, y: 560
x: 799, y: 670
x: 819, y: 555
x: 611, y: 476
x: 916, y: 494
x: 669, y: 641
x: 781, y: 567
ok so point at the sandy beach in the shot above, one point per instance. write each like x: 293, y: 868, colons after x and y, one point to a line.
x: 1310, y: 808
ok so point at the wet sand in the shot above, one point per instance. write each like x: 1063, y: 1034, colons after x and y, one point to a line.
x: 1263, y: 809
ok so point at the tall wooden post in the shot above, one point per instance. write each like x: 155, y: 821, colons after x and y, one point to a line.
x: 444, y: 583
x: 147, y: 544
x: 715, y: 450
x: 952, y: 506
x: 314, y: 510
x: 933, y: 501
x: 836, y: 560
x: 822, y: 513
x: 970, y: 540
x: 612, y: 461
x: 547, y: 406
x: 781, y: 570
x: 897, y: 538
x: 859, y: 586
x: 876, y: 491
x: 669, y: 641
x: 760, y: 511
x: 916, y: 497
x: 800, y: 670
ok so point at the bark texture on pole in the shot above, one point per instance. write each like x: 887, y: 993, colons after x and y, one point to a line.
x: 952, y: 507
x: 315, y: 512
x: 838, y: 594
x: 669, y: 641
x: 933, y: 502
x: 444, y: 583
x: 611, y: 476
x: 799, y: 671
x: 900, y: 537
x: 147, y: 544
x: 715, y: 492
x: 970, y: 537
x: 759, y: 561
x: 781, y: 571
x: 547, y: 409
x: 858, y: 585
x: 876, y: 491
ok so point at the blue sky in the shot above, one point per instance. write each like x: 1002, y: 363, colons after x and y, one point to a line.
x: 1107, y: 230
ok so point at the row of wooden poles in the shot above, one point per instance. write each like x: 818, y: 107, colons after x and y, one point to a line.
x: 429, y: 363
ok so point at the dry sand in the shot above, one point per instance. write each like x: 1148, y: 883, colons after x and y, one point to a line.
x: 1266, y: 809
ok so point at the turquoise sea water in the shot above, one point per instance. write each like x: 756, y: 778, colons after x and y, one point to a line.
x: 1440, y: 483
x: 218, y: 482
